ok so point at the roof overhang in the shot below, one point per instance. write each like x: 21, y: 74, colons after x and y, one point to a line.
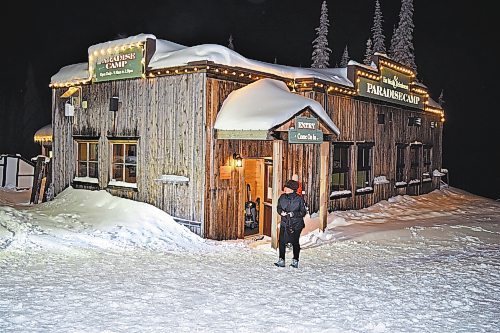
x: 256, y: 110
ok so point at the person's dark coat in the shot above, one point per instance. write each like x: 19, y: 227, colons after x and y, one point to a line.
x: 295, y: 207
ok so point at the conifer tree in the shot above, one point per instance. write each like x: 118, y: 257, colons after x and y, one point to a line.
x: 402, y: 50
x: 378, y: 31
x: 321, y: 52
x: 345, y: 58
x: 441, y: 100
x: 393, y: 42
x: 230, y: 45
x: 368, y: 53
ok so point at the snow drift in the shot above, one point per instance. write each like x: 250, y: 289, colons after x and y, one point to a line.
x: 96, y: 219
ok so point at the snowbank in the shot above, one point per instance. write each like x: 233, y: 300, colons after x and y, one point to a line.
x: 94, y: 219
x: 399, y: 212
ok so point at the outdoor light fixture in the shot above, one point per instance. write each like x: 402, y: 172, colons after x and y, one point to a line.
x: 238, y: 161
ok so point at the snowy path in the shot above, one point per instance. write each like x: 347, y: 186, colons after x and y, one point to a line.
x: 439, y: 274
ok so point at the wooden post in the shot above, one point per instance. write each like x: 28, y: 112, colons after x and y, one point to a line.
x: 37, y: 180
x: 277, y: 185
x: 323, y: 185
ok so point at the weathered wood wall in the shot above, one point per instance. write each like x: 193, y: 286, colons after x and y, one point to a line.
x: 357, y: 121
x: 165, y: 114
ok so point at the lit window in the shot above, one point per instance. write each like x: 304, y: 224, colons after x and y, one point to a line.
x: 87, y: 159
x: 124, y: 162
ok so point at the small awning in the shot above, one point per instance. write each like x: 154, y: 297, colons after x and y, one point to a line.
x: 70, y: 92
x: 262, y: 106
x: 44, y: 134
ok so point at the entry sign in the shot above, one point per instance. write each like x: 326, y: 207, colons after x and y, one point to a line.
x: 306, y: 131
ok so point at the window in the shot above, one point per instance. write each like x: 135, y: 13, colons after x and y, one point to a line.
x: 87, y: 156
x: 414, y: 121
x: 340, y: 175
x: 415, y: 162
x: 381, y: 118
x: 268, y: 180
x: 363, y: 173
x: 124, y: 162
x: 400, y: 163
x: 427, y: 159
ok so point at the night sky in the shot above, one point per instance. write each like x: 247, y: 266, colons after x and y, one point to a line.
x: 454, y: 43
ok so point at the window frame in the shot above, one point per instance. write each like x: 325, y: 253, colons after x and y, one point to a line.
x: 415, y: 164
x: 400, y: 167
x: 123, y: 182
x: 88, y: 143
x: 344, y: 168
x: 366, y: 166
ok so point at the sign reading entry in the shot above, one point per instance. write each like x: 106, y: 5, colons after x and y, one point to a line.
x: 123, y: 64
x: 306, y: 131
x: 393, y: 87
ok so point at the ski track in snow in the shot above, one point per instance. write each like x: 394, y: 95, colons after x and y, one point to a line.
x: 60, y: 271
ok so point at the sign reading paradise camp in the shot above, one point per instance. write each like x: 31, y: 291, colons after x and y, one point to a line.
x: 123, y: 64
x: 393, y: 87
x: 306, y: 131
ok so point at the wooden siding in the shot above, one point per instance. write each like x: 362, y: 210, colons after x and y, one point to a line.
x: 357, y: 121
x: 165, y: 115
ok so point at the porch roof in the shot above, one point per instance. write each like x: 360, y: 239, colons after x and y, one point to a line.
x: 264, y: 105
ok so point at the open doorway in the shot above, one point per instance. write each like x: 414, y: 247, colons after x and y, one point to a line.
x: 254, y: 196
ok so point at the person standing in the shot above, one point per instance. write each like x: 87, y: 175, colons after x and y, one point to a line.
x: 292, y: 209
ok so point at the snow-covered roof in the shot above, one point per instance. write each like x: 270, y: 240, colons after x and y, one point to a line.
x: 140, y: 38
x: 263, y: 105
x: 71, y: 73
x: 44, y: 134
x: 434, y: 104
x: 169, y: 54
x: 371, y: 67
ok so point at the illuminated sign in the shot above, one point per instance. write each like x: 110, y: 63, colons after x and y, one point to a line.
x: 392, y: 87
x: 123, y: 64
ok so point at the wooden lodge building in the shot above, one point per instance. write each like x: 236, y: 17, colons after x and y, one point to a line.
x: 198, y: 131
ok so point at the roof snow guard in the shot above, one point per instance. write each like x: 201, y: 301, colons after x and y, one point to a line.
x: 264, y: 105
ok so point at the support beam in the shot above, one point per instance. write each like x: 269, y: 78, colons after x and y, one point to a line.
x: 277, y: 185
x: 323, y: 185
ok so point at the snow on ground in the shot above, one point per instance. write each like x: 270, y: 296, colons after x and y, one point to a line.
x: 410, y: 264
x: 95, y: 219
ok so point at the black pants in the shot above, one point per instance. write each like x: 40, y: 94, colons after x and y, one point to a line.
x: 289, y: 238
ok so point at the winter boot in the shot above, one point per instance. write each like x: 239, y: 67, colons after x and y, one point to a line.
x: 295, y: 263
x: 280, y: 263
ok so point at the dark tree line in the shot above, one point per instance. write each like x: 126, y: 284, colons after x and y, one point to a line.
x: 22, y: 113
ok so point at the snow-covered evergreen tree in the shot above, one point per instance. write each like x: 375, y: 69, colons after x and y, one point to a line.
x: 441, y: 100
x: 321, y: 52
x: 393, y: 42
x: 230, y: 44
x: 378, y: 31
x: 402, y: 44
x: 345, y: 58
x: 368, y: 53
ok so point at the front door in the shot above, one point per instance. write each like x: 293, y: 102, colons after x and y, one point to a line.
x: 254, y: 195
x: 268, y: 197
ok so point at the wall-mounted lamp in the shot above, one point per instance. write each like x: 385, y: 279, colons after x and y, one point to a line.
x: 238, y: 161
